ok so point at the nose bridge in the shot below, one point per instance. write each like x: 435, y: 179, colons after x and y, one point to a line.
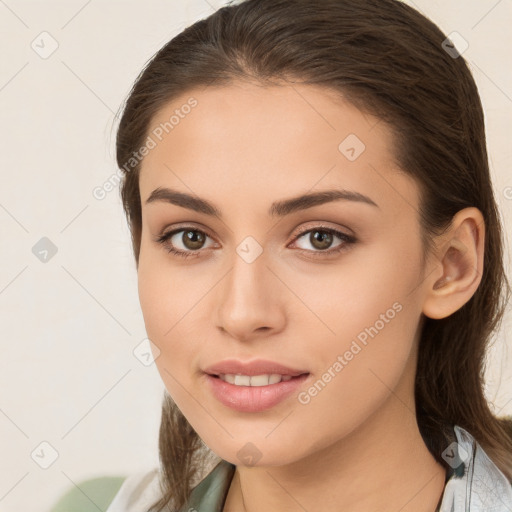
x: 249, y: 297
x: 248, y: 276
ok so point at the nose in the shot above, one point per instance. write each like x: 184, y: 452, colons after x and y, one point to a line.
x: 250, y: 300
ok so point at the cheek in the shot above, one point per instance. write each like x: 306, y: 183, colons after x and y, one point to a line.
x: 167, y: 294
x: 351, y: 296
x: 172, y: 302
x: 154, y: 300
x: 373, y: 310
x: 363, y: 373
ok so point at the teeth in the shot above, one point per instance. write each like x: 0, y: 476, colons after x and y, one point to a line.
x: 254, y: 380
x: 228, y: 378
x: 242, y: 380
x: 275, y: 378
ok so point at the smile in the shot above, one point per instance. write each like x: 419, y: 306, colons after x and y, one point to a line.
x: 254, y: 393
x: 254, y: 380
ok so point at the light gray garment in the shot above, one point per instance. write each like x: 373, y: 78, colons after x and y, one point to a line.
x: 482, y: 487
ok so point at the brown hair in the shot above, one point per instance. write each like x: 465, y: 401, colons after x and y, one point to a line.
x: 389, y: 60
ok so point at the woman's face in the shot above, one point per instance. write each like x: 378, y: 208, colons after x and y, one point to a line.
x: 269, y: 278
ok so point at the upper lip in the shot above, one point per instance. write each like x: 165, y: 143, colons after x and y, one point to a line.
x: 255, y: 367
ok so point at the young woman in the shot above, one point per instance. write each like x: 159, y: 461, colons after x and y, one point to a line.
x: 320, y: 264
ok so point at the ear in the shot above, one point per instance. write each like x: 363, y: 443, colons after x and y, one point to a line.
x: 458, y: 262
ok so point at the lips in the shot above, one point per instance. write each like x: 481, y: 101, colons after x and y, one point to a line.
x: 258, y: 396
x: 255, y: 367
x: 253, y: 399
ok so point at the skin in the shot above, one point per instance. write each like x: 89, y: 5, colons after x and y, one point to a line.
x: 356, y: 443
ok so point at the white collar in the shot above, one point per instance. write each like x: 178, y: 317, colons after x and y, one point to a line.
x: 482, y: 487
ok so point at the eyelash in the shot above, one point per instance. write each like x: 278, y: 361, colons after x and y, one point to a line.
x: 347, y: 239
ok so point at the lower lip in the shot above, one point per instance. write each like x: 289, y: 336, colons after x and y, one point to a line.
x: 253, y: 398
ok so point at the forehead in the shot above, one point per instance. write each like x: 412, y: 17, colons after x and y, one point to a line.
x: 262, y: 140
x: 250, y: 116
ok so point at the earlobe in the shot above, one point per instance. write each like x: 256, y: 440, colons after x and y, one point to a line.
x: 460, y: 265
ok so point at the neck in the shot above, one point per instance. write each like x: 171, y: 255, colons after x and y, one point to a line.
x: 382, y: 466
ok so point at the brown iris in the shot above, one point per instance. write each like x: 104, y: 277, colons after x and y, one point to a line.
x: 322, y: 241
x: 193, y: 239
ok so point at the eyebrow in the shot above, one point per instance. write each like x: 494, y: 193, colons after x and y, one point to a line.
x: 277, y: 209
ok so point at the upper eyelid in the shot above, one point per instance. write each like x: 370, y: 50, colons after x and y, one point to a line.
x: 312, y: 225
x: 173, y: 231
x: 315, y: 225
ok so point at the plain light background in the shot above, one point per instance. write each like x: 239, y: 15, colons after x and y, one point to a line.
x: 69, y: 326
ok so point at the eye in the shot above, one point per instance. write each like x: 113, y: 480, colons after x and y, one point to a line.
x: 191, y: 239
x: 321, y: 239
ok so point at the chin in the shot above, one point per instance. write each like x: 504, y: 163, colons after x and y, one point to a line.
x: 256, y: 451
